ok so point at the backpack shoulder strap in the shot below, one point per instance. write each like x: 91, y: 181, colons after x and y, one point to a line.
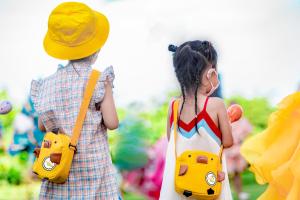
x: 175, y: 122
x: 171, y: 106
x: 88, y: 93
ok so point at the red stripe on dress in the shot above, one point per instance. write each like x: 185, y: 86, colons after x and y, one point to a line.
x: 202, y: 115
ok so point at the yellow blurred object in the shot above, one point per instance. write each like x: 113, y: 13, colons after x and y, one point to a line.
x: 196, y: 172
x: 54, y: 158
x: 75, y: 31
x: 274, y: 154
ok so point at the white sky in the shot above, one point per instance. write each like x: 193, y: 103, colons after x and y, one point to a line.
x: 257, y: 41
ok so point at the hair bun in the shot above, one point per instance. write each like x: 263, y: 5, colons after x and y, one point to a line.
x: 172, y: 48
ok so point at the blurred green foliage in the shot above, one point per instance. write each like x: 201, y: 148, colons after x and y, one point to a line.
x: 14, y: 176
x: 13, y: 169
x: 130, y: 148
x: 27, y: 191
x: 156, y: 122
x: 250, y: 186
x: 156, y: 118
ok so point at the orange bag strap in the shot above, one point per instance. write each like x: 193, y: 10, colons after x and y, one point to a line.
x: 88, y: 93
x: 175, y: 122
x: 221, y: 152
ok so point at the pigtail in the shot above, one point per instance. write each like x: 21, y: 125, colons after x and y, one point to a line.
x: 183, y: 96
x: 196, y: 107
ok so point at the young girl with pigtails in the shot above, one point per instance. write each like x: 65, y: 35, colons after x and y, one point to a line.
x: 202, y: 121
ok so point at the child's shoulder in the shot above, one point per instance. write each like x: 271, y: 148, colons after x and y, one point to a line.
x: 216, y: 102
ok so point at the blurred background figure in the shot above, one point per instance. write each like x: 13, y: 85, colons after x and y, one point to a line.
x: 26, y: 132
x: 236, y: 164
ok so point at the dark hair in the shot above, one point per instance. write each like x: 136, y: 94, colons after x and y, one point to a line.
x: 190, y: 60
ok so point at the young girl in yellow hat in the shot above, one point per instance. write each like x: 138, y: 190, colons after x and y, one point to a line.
x: 77, y: 33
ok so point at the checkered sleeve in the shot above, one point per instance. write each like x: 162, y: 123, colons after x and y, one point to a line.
x: 35, y: 93
x: 107, y: 76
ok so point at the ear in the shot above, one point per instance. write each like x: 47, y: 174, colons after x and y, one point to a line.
x: 212, y: 76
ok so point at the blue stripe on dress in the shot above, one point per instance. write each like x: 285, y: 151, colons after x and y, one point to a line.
x: 202, y: 123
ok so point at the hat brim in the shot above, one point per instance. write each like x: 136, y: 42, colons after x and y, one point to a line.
x: 63, y: 52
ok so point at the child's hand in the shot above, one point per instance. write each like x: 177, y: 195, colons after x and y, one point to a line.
x: 234, y: 112
x: 221, y: 176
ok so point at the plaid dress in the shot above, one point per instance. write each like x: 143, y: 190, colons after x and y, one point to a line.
x: 57, y: 100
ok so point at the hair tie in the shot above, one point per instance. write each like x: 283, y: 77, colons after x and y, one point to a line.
x: 172, y: 48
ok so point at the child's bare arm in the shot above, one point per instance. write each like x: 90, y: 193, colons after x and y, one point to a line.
x: 108, y: 109
x: 224, y: 125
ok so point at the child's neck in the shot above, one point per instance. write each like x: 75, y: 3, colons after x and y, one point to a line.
x: 202, y: 91
x: 190, y: 98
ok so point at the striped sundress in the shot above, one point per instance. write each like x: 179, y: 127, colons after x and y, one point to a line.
x: 209, y: 139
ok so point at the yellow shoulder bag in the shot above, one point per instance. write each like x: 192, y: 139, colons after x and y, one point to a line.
x: 54, y: 158
x: 196, y: 171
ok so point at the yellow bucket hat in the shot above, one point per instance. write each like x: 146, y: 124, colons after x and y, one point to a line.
x: 75, y: 31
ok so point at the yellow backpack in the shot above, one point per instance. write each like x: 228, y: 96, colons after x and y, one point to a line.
x: 54, y: 158
x: 196, y: 171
